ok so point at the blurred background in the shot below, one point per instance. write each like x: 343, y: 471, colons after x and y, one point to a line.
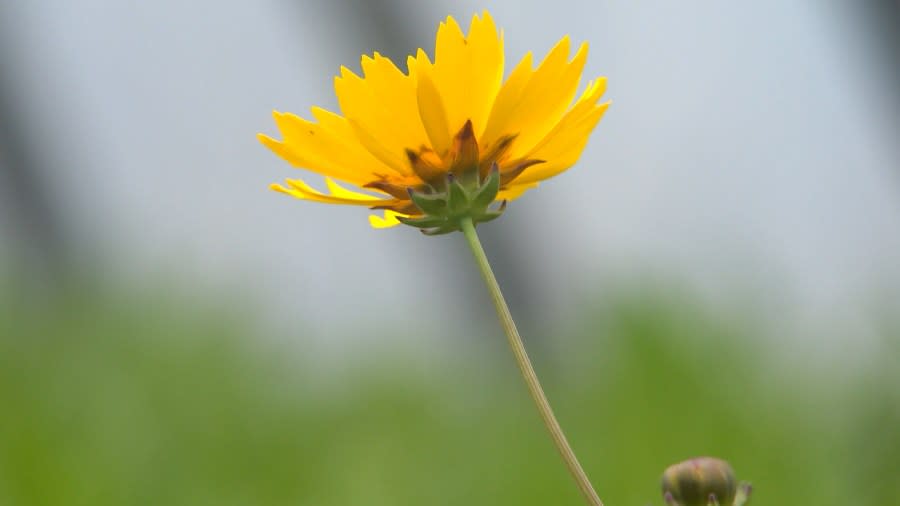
x: 720, y: 274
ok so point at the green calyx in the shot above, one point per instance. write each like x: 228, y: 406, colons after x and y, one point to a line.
x: 458, y: 198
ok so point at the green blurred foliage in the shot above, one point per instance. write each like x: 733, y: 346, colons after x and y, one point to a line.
x: 129, y: 399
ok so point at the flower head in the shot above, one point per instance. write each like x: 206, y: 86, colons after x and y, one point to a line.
x: 410, y: 139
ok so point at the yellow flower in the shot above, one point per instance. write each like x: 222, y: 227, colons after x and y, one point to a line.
x: 403, y: 133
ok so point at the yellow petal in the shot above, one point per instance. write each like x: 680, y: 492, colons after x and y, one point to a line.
x: 537, y: 100
x: 353, y: 145
x: 299, y: 189
x: 514, y: 190
x: 564, y: 147
x: 314, y: 147
x: 341, y: 192
x: 432, y: 112
x: 507, y: 101
x: 583, y: 107
x: 387, y: 156
x: 396, y: 92
x: 389, y: 220
x: 468, y: 70
x: 548, y: 96
x: 382, y: 109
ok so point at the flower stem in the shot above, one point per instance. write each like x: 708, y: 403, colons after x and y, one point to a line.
x: 531, y: 379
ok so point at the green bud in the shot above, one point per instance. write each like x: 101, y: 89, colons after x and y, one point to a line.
x: 701, y: 481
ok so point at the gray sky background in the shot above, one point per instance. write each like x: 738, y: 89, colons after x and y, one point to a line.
x: 750, y: 153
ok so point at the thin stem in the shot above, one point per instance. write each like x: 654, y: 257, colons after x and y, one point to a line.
x: 531, y: 379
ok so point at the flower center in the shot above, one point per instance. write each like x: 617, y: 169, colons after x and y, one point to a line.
x: 464, y: 161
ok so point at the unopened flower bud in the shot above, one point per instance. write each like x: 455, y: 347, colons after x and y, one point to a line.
x: 699, y: 482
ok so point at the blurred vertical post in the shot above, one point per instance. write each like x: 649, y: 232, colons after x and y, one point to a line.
x: 879, y: 22
x: 35, y: 242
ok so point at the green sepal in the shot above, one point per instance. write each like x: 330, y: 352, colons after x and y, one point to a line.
x: 743, y: 494
x: 489, y: 216
x: 423, y: 221
x: 433, y: 204
x: 446, y: 229
x: 486, y: 194
x: 461, y: 198
x: 458, y: 202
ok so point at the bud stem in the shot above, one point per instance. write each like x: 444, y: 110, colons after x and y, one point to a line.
x: 524, y: 363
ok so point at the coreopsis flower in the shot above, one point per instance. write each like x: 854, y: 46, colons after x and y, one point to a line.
x: 444, y: 139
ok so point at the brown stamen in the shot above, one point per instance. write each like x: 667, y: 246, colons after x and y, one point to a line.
x: 425, y: 168
x: 514, y: 169
x: 395, y: 190
x: 464, y: 152
x: 403, y: 207
x: 494, y: 154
